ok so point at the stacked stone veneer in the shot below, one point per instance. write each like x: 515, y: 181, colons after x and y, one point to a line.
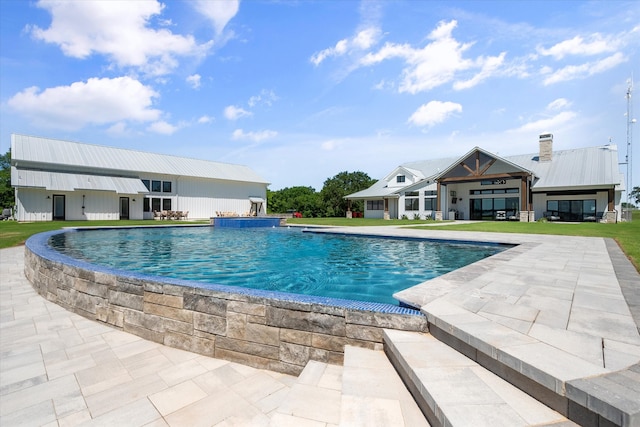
x: 270, y: 333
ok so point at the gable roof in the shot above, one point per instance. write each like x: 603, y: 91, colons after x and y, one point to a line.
x: 66, y: 156
x: 482, y: 154
x: 579, y: 167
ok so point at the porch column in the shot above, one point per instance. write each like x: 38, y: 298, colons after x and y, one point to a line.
x: 438, y: 202
x: 524, y: 200
x: 349, y: 214
x: 610, y: 215
x: 386, y: 209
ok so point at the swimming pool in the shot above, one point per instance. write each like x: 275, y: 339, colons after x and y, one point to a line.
x: 279, y: 259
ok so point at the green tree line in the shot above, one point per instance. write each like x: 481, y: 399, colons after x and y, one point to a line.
x: 328, y: 202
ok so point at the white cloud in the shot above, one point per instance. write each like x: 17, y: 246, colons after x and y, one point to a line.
x: 219, y: 12
x: 488, y: 68
x: 543, y: 125
x: 234, y: 113
x: 434, y: 112
x: 571, y: 72
x: 96, y: 101
x: 595, y: 45
x: 437, y: 63
x: 363, y: 40
x: 118, y: 129
x: 332, y: 144
x: 194, y: 80
x: 119, y: 30
x: 558, y: 104
x: 266, y: 97
x: 162, y: 127
x: 206, y: 119
x: 239, y: 134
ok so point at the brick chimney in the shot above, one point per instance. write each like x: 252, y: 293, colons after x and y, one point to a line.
x: 546, y: 147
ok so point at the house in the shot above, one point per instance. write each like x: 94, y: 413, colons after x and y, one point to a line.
x: 582, y: 184
x: 63, y: 180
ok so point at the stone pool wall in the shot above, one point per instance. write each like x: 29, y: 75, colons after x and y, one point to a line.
x: 269, y: 333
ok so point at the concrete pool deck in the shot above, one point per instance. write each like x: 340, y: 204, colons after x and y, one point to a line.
x: 561, y: 312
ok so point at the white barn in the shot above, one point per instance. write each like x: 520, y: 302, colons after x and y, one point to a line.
x: 582, y: 184
x: 63, y: 180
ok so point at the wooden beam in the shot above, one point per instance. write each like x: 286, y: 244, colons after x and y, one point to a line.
x: 477, y: 163
x: 612, y: 201
x: 486, y: 168
x: 510, y: 175
x: 471, y: 171
x: 438, y: 197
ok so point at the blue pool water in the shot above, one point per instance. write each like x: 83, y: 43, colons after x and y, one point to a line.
x: 282, y: 259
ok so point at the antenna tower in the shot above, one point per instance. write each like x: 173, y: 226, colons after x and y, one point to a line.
x: 628, y: 159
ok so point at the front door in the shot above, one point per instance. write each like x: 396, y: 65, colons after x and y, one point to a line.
x: 58, y: 207
x: 124, y: 208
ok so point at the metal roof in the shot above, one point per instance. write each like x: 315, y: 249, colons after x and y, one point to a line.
x: 54, y: 154
x: 580, y: 167
x: 58, y: 181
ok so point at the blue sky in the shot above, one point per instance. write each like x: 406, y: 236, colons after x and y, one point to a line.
x: 302, y: 90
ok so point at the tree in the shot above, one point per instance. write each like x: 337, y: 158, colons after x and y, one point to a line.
x: 7, y: 195
x: 635, y: 194
x: 341, y: 185
x: 295, y: 199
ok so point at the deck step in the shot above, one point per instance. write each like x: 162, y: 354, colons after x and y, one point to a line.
x: 373, y: 393
x: 453, y: 390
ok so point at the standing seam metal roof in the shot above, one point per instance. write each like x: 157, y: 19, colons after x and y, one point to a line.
x: 86, y: 157
x: 578, y: 167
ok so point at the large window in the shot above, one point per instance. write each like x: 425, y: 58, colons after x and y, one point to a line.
x: 485, y: 209
x: 375, y: 205
x: 411, y: 201
x: 166, y: 204
x: 400, y: 178
x: 146, y: 204
x: 572, y: 210
x: 147, y: 184
x: 156, y: 186
x: 166, y: 186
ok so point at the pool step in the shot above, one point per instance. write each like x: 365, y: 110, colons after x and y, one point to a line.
x: 373, y: 393
x: 453, y: 390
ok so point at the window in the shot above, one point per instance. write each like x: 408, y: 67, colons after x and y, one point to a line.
x: 572, y: 210
x: 429, y: 203
x: 166, y: 186
x: 375, y: 205
x: 430, y: 193
x: 411, y: 201
x: 156, y: 186
x: 155, y: 204
x: 400, y: 178
x: 146, y: 204
x: 495, y: 191
x: 166, y: 204
x: 147, y: 184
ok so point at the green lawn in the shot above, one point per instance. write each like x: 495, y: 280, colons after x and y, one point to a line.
x: 627, y: 234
